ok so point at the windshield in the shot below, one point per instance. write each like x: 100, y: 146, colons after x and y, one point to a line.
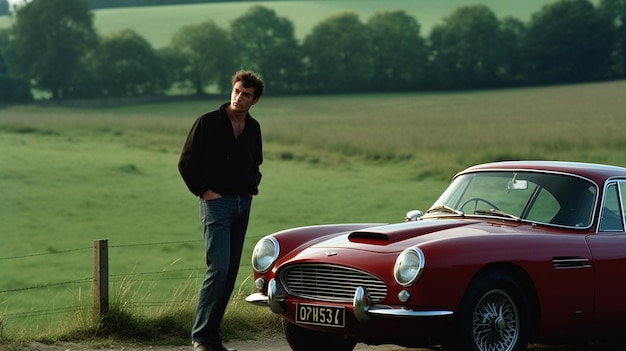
x: 557, y: 199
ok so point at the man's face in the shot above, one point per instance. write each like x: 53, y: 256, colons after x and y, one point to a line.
x: 242, y: 98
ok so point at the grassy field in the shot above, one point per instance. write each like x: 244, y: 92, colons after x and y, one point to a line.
x: 158, y: 24
x: 69, y: 176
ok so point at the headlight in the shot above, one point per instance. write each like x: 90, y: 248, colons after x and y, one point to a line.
x: 409, y: 266
x: 265, y: 254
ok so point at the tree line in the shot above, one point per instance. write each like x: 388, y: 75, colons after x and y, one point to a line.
x: 52, y: 49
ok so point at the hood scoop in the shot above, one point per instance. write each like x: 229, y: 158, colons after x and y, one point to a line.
x: 402, y: 231
x: 367, y: 236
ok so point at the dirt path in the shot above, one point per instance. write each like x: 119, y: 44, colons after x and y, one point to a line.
x: 270, y: 343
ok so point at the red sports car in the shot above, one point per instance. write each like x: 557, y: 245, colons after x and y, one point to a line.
x: 511, y: 253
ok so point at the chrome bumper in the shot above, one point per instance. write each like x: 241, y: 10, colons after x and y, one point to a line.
x: 362, y: 311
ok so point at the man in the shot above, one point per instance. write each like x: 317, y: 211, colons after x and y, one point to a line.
x: 220, y: 164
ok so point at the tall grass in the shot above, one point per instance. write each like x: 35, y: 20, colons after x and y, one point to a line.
x: 132, y: 317
x: 70, y: 176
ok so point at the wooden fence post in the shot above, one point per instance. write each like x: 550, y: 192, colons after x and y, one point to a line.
x: 101, y: 278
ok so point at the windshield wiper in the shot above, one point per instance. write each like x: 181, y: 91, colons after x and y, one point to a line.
x: 494, y: 212
x: 444, y: 208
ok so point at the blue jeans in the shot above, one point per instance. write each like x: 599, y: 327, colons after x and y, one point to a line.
x: 225, y: 222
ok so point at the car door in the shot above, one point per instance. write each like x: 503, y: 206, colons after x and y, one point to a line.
x: 608, y: 247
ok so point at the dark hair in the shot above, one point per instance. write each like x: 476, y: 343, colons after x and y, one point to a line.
x: 250, y: 80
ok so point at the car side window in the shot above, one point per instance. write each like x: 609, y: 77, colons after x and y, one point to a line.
x: 611, y: 218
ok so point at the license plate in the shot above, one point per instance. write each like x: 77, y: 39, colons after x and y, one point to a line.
x: 329, y: 316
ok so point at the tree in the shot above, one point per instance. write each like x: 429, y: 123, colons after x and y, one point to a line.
x: 51, y: 36
x: 399, y: 53
x: 511, y: 64
x: 207, y: 56
x: 266, y: 43
x: 124, y: 64
x: 11, y: 87
x: 338, y: 55
x: 614, y: 12
x: 174, y: 65
x: 467, y: 48
x: 567, y: 42
x: 6, y: 81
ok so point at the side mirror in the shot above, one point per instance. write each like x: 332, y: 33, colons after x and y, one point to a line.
x: 413, y: 215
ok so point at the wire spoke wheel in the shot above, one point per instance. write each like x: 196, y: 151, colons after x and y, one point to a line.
x: 496, y: 322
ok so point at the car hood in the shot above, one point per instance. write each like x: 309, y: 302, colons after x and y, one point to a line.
x: 397, y: 237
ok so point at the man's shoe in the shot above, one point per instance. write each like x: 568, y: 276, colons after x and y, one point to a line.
x: 197, y: 346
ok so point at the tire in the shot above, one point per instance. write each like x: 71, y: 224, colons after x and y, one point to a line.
x: 494, y: 316
x: 302, y: 339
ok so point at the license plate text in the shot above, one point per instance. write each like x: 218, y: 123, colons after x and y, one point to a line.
x: 329, y: 316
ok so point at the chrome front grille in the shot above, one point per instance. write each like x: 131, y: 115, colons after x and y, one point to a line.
x: 326, y: 282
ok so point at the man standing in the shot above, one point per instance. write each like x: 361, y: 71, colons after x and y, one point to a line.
x: 220, y: 164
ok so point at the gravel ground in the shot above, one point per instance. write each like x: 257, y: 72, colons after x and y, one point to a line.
x: 270, y: 343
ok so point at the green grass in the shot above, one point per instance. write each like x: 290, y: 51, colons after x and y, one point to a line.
x: 69, y: 176
x: 437, y: 134
x: 158, y: 24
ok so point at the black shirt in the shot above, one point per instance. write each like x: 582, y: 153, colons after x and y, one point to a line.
x: 213, y: 159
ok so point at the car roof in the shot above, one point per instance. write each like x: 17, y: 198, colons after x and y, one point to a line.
x: 596, y: 172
